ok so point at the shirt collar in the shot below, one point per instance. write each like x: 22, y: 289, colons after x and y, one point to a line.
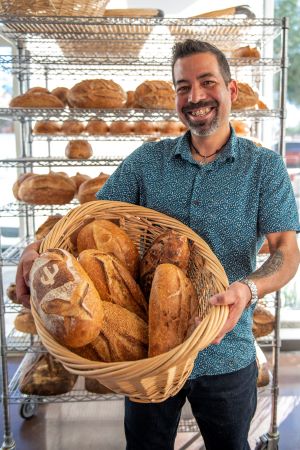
x: 228, y: 153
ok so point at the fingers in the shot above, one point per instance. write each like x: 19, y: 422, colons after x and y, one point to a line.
x: 22, y: 290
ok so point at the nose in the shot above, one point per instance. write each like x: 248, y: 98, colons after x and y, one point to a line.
x: 196, y: 93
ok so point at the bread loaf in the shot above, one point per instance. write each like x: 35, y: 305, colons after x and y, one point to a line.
x: 121, y: 127
x: 173, y: 307
x: 107, y: 237
x: 241, y: 128
x: 155, y: 94
x: 70, y: 127
x: 246, y: 98
x: 37, y: 90
x: 78, y: 179
x: 18, y: 183
x: 47, y: 127
x: 168, y: 127
x: 46, y: 226
x: 61, y: 93
x: 263, y: 378
x: 50, y: 189
x: 97, y: 127
x: 130, y: 102
x: 114, y: 282
x: 145, y: 127
x: 12, y: 293
x: 65, y: 298
x: 36, y: 100
x: 24, y: 322
x: 88, y: 189
x: 97, y: 94
x: 78, y: 149
x: 263, y: 321
x: 42, y: 375
x: 246, y: 52
x: 169, y: 247
x: 123, y: 335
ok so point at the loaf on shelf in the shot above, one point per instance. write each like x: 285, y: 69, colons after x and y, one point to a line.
x: 46, y: 226
x: 96, y: 127
x: 24, y: 322
x: 70, y: 127
x: 155, y: 94
x: 36, y: 100
x: 263, y: 321
x: 97, y: 93
x: 88, y: 189
x: 12, y: 293
x: 247, y: 97
x: 78, y: 149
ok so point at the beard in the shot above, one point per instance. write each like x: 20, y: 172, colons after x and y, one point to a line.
x: 205, y: 127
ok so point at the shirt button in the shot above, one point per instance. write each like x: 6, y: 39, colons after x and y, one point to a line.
x: 196, y: 203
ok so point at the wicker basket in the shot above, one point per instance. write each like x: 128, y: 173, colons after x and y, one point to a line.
x: 53, y: 7
x: 157, y: 378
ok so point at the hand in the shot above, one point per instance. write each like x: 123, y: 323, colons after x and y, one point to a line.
x: 236, y: 297
x: 22, y: 278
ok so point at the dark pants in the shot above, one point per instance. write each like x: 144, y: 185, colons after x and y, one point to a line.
x: 223, y: 406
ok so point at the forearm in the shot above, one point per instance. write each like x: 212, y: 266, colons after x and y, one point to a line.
x: 277, y: 270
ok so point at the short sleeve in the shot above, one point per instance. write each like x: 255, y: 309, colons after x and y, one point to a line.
x: 277, y: 205
x: 121, y: 186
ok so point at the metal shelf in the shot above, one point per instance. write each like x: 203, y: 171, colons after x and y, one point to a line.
x: 228, y: 32
x: 12, y: 255
x: 105, y: 137
x: 66, y: 66
x: 23, y: 163
x: 17, y: 342
x: 134, y: 115
x: 24, y: 210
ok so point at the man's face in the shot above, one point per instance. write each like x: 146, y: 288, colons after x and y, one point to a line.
x: 203, y: 101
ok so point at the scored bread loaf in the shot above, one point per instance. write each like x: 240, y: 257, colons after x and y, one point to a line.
x: 107, y: 237
x: 36, y: 100
x: 19, y: 181
x: 50, y: 189
x: 42, y: 375
x: 70, y: 127
x: 97, y: 93
x: 88, y: 189
x: 173, y: 307
x: 65, y: 298
x: 97, y: 127
x: 123, y: 335
x: 168, y: 247
x: 113, y: 281
x: 47, y: 127
x: 155, y: 94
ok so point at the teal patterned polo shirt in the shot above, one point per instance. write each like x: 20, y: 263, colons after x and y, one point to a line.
x: 231, y: 203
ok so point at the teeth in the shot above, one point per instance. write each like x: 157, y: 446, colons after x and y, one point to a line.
x: 201, y: 112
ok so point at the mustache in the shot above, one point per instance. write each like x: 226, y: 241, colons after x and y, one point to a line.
x: 191, y: 106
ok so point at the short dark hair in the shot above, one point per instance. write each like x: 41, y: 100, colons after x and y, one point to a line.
x: 193, y: 46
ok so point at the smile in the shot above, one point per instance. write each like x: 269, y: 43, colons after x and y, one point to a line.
x: 200, y: 112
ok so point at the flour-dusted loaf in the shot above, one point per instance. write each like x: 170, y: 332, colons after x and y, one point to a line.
x: 173, y: 307
x: 42, y: 375
x: 123, y: 335
x: 168, y: 247
x: 97, y: 93
x: 108, y: 237
x: 49, y: 189
x: 65, y: 298
x: 113, y: 281
x: 155, y: 94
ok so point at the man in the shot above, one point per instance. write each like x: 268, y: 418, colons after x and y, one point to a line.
x: 232, y: 194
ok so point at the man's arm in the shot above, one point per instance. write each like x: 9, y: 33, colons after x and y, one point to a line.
x: 28, y: 256
x: 275, y: 273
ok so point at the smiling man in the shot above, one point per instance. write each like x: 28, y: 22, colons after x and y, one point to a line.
x: 233, y: 194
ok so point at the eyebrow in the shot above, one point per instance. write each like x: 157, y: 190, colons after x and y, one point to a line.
x: 199, y: 77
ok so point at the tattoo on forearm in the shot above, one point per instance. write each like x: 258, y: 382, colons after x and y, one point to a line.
x: 270, y: 267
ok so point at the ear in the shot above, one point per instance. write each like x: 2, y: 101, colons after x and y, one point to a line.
x: 232, y: 86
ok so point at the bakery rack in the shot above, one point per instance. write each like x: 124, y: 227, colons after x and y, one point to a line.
x: 64, y: 48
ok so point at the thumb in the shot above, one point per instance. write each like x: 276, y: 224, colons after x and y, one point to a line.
x: 217, y: 299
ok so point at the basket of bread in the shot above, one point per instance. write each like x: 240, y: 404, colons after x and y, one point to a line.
x: 116, y: 293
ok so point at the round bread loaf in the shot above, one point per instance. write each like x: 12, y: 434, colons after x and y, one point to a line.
x: 70, y: 127
x: 145, y: 127
x: 123, y: 335
x: 37, y: 89
x: 173, y: 307
x: 79, y: 178
x: 24, y: 322
x: 97, y: 127
x: 46, y: 127
x: 44, y: 229
x: 246, y: 98
x: 12, y: 293
x: 61, y: 93
x: 114, y: 282
x: 36, y: 100
x: 65, y: 298
x: 88, y: 189
x: 155, y: 94
x: 168, y: 127
x: 50, y: 189
x: 97, y: 94
x: 121, y: 127
x: 246, y: 52
x: 78, y: 149
x: 107, y: 237
x: 18, y: 183
x: 263, y: 321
